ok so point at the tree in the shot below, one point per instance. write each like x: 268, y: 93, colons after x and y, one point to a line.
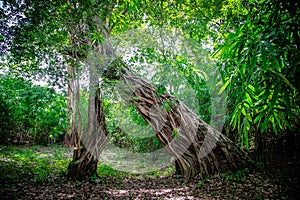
x: 71, y: 29
x: 46, y: 35
x: 198, y: 148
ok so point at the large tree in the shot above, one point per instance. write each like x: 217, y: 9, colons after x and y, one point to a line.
x: 58, y: 36
x: 66, y: 31
x: 198, y: 148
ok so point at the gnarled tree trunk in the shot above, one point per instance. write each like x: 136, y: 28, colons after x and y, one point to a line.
x: 85, y: 160
x: 83, y: 165
x: 198, y: 148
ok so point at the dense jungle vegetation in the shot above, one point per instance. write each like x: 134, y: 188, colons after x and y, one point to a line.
x: 139, y: 99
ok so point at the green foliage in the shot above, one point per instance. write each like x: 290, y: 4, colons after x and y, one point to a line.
x: 126, y: 127
x: 238, y: 176
x: 257, y: 46
x: 41, y: 163
x: 175, y: 133
x: 134, y: 142
x: 36, y: 162
x: 136, y: 117
x: 260, y: 67
x: 168, y: 171
x: 160, y: 90
x: 178, y: 75
x: 200, y: 184
x: 104, y: 170
x: 32, y: 112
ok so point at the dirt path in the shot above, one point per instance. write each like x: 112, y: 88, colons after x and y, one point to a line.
x: 18, y: 179
x: 255, y: 186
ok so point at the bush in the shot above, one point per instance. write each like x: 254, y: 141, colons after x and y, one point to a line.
x: 30, y: 113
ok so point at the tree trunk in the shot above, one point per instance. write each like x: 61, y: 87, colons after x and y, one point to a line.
x: 198, y: 148
x: 83, y: 165
x: 85, y: 160
x: 70, y: 135
x: 94, y: 136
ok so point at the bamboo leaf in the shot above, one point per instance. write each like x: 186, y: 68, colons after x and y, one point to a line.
x: 224, y: 86
x: 274, y: 125
x: 266, y: 121
x: 286, y: 123
x: 251, y: 87
x: 264, y: 125
x: 258, y: 118
x: 249, y: 117
x: 246, y: 136
x: 278, y: 121
x: 283, y: 78
x: 249, y: 100
x: 244, y: 111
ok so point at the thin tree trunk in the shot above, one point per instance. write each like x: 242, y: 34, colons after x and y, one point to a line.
x: 198, y: 148
x: 70, y: 136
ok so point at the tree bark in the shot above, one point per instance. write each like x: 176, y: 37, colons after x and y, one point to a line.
x: 198, y: 148
x: 70, y: 135
x: 90, y: 134
x: 85, y: 160
x: 94, y: 137
x: 83, y: 165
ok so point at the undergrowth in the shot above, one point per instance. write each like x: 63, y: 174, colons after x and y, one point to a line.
x: 33, y: 162
x: 40, y: 163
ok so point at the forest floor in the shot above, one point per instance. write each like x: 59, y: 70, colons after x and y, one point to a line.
x: 39, y: 173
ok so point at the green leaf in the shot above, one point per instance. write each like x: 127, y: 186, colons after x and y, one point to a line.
x: 249, y: 117
x: 249, y: 99
x: 161, y: 90
x: 266, y: 121
x: 283, y: 78
x: 175, y: 133
x: 274, y: 125
x: 234, y: 121
x: 244, y: 111
x: 286, y: 123
x: 277, y: 119
x: 251, y: 87
x: 224, y: 86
